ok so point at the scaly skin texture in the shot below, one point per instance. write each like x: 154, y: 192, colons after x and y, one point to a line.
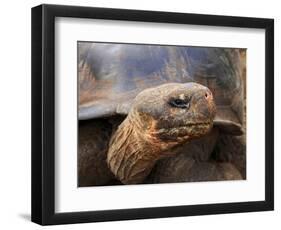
x: 232, y: 149
x: 161, y: 119
x: 194, y: 162
x: 177, y: 168
x: 92, y: 167
x: 186, y: 169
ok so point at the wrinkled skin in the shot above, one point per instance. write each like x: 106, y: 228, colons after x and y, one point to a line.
x: 216, y: 156
x: 161, y: 119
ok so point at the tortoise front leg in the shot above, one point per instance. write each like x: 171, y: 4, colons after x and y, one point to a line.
x: 186, y: 169
x: 194, y: 162
x: 232, y: 149
x: 93, y: 142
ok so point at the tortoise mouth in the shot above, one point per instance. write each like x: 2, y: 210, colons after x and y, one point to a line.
x: 188, y: 131
x: 197, y: 124
x: 192, y: 124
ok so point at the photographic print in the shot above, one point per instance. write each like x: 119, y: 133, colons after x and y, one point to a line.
x: 153, y: 104
x: 153, y: 114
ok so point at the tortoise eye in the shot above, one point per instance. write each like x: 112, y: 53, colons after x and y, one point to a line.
x: 179, y: 103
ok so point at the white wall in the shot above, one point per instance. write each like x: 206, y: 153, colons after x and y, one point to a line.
x: 15, y: 113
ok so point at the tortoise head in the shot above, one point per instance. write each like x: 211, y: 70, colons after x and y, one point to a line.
x: 173, y: 112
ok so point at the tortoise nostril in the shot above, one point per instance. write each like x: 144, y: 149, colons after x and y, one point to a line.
x: 206, y: 95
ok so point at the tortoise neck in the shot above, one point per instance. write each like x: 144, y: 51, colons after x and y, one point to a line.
x: 131, y: 155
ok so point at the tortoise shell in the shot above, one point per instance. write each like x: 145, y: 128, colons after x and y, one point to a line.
x: 111, y: 75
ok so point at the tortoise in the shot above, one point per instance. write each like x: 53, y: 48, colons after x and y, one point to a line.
x: 144, y: 107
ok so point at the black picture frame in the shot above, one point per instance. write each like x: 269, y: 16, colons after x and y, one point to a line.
x: 43, y: 114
